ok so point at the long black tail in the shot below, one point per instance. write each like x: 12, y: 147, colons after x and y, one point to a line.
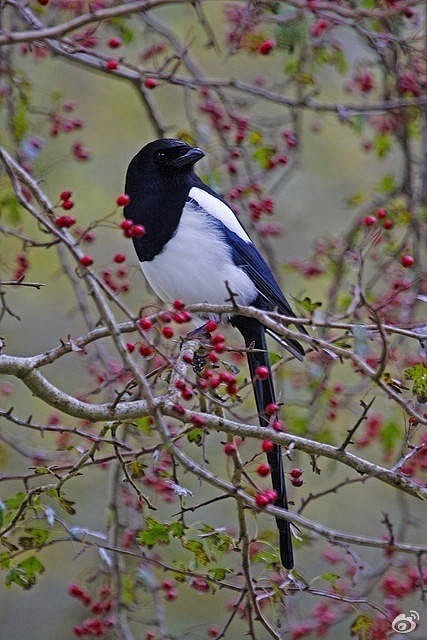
x: 253, y: 333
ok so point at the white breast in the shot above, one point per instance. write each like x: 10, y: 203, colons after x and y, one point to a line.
x: 195, y: 264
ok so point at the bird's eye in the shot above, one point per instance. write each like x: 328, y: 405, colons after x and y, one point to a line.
x: 161, y: 156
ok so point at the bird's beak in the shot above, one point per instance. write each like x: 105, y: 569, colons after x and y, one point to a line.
x: 193, y: 155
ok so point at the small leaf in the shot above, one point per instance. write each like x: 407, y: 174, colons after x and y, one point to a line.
x: 382, y: 145
x: 136, y: 469
x: 195, y: 435
x: 67, y: 505
x: 14, y: 502
x: 418, y: 374
x: 34, y: 538
x: 218, y: 573
x: 263, y: 156
x: 387, y: 184
x: 196, y: 547
x: 267, y: 557
x: 361, y: 627
x: 309, y: 305
x: 274, y: 357
x: 154, y: 533
x: 176, y: 529
x: 145, y: 425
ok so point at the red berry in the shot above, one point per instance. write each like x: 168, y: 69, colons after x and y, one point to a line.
x: 126, y: 225
x: 213, y: 631
x: 112, y: 65
x: 200, y: 584
x: 150, y: 83
x: 262, y: 500
x: 187, y: 393
x: 297, y: 482
x: 388, y: 224
x: 78, y: 630
x: 137, y: 231
x: 178, y: 305
x: 271, y: 408
x: 263, y: 470
x: 407, y: 261
x: 267, y: 446
x: 65, y: 222
x: 217, y: 338
x: 296, y: 472
x: 211, y: 326
x: 75, y: 591
x: 86, y: 260
x: 171, y: 594
x: 67, y: 204
x: 119, y: 257
x: 381, y: 213
x: 230, y: 449
x: 145, y: 350
x: 123, y: 200
x: 167, y: 584
x: 181, y: 317
x: 43, y: 3
x: 368, y: 221
x: 145, y: 323
x: 130, y: 347
x: 65, y: 195
x: 167, y: 332
x: 262, y: 372
x: 114, y: 42
x: 266, y: 47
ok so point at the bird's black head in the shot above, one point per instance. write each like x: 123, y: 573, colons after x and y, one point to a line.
x: 165, y: 157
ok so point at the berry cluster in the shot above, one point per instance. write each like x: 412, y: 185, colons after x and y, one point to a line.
x: 102, y: 621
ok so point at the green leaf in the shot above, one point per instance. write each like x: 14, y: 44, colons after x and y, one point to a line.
x: 274, y: 357
x: 390, y: 435
x: 218, y: 573
x: 290, y: 35
x: 196, y: 547
x: 382, y: 144
x: 176, y: 529
x: 4, y: 560
x: 154, y: 533
x: 418, y: 374
x: 145, y: 425
x: 14, y: 502
x: 307, y: 304
x: 361, y: 627
x: 137, y: 469
x: 263, y: 156
x: 9, y: 206
x: 332, y: 578
x: 34, y: 538
x: 67, y: 505
x: 20, y: 121
x: 356, y: 199
x: 267, y: 557
x: 25, y: 573
x: 387, y: 184
x: 195, y: 435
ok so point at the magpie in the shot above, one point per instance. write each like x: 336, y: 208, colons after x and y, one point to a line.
x: 196, y: 250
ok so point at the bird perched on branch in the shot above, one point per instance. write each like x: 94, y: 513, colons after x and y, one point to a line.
x: 195, y: 249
